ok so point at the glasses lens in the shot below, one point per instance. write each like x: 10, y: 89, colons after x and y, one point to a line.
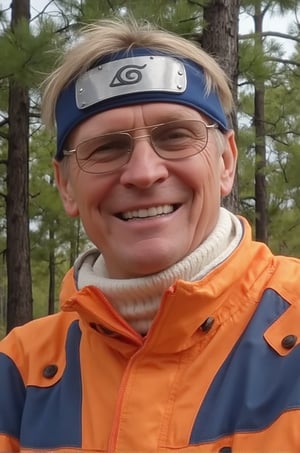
x: 174, y: 140
x: 179, y: 139
x: 105, y: 153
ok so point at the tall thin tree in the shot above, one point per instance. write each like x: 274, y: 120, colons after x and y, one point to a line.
x: 261, y: 203
x: 19, y: 300
x: 220, y: 39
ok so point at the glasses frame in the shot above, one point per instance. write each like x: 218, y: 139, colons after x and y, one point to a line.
x: 70, y: 152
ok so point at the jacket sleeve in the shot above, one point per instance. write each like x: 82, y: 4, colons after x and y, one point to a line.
x: 12, y: 397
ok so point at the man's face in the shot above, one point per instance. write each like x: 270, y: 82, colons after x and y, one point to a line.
x: 152, y: 212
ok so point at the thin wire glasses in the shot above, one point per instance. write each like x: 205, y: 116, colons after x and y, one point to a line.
x: 172, y: 141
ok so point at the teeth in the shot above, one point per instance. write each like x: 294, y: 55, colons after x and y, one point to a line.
x: 150, y: 212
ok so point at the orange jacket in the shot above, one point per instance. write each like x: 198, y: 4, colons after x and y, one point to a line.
x: 219, y: 370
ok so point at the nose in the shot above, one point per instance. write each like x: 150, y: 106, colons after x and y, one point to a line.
x: 145, y: 167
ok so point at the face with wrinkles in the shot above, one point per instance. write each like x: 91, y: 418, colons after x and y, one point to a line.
x: 152, y: 212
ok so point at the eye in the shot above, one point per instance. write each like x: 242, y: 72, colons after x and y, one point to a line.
x: 177, y: 133
x: 173, y: 137
x: 104, y: 148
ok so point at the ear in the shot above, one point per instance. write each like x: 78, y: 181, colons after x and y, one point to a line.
x: 229, y: 158
x: 65, y: 190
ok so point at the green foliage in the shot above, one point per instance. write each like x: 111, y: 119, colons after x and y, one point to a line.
x: 179, y: 16
x: 253, y: 63
x: 31, y: 52
x: 281, y: 6
x: 52, y: 232
x: 260, y: 63
x: 27, y: 55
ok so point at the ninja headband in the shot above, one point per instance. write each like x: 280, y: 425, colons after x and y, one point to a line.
x: 135, y: 76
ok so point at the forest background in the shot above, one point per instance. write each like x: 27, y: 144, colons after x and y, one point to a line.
x: 38, y: 243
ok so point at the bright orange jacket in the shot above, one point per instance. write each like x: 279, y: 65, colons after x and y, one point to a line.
x: 219, y: 370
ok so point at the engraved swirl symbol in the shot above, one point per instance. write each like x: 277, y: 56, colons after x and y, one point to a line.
x: 127, y: 75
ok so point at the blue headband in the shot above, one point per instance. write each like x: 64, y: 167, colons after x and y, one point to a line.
x: 130, y: 77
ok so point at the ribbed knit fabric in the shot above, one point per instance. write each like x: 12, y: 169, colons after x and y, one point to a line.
x: 138, y: 299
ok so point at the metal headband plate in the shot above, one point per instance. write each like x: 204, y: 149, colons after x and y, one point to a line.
x: 135, y: 74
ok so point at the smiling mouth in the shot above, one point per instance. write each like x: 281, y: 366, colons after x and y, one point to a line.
x: 145, y: 213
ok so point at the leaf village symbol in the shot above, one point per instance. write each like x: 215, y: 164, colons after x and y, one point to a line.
x: 127, y: 75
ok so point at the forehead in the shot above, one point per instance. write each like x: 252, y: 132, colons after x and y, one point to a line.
x: 130, y: 117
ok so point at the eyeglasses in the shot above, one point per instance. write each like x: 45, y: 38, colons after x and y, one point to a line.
x: 172, y: 141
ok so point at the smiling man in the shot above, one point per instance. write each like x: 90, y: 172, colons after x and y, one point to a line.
x: 176, y: 332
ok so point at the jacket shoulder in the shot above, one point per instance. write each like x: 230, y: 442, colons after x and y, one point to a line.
x: 286, y: 278
x: 37, y: 343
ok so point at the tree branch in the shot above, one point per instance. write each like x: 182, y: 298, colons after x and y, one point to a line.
x: 283, y: 61
x: 273, y: 34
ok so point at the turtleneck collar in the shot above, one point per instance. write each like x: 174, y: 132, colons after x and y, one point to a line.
x: 138, y: 299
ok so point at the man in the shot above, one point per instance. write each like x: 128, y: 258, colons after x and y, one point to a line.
x: 176, y: 332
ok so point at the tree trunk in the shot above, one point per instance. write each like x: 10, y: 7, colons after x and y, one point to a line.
x: 19, y: 297
x: 261, y: 208
x: 220, y: 39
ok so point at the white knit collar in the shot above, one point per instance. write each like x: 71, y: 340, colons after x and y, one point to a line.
x: 138, y: 299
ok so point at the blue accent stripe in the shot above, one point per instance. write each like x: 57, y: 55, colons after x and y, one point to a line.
x: 52, y: 415
x: 255, y: 385
x: 12, y: 396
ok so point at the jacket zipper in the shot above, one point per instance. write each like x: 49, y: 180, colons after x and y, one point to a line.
x: 116, y: 421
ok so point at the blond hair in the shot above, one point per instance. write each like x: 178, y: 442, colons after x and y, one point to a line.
x: 110, y: 36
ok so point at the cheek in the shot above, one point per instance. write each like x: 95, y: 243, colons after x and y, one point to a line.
x: 94, y: 192
x: 204, y: 173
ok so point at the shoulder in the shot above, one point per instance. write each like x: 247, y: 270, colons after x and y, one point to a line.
x: 40, y: 341
x: 286, y: 278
